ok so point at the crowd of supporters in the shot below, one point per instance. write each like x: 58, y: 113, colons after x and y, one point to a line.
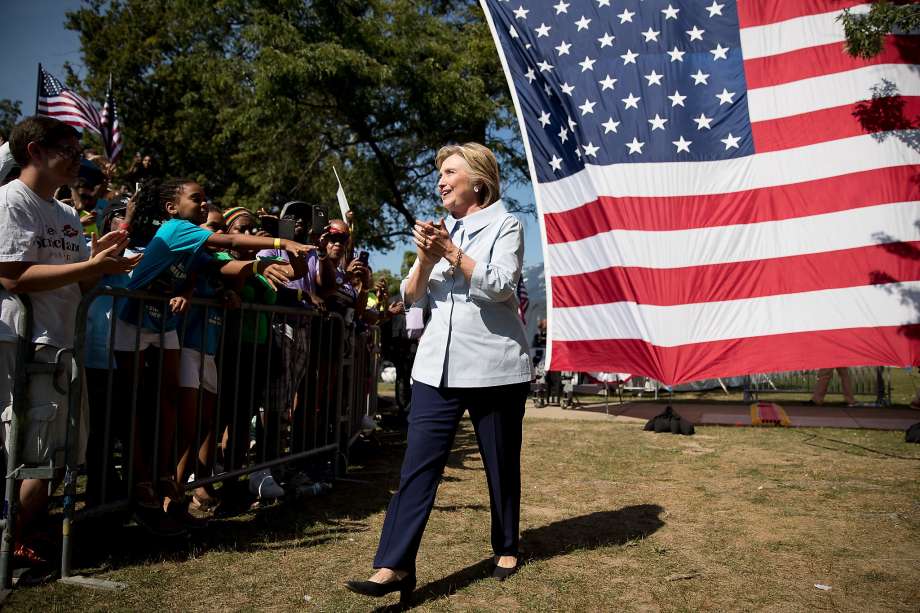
x: 144, y: 232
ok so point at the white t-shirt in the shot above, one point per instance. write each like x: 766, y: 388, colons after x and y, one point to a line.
x: 40, y: 231
x: 6, y: 161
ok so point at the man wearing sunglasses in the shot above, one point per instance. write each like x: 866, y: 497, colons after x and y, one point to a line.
x: 43, y: 254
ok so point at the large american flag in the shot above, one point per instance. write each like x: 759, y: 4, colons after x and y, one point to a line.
x: 111, y: 128
x: 722, y: 189
x: 55, y: 100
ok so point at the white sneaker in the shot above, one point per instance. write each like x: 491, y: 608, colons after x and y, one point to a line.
x: 263, y: 485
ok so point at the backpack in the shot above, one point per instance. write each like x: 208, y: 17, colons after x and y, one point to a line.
x: 669, y: 421
x: 913, y: 433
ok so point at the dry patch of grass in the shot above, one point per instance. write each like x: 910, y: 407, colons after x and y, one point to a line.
x: 613, y: 519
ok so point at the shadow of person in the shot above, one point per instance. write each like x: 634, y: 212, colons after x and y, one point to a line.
x: 591, y: 531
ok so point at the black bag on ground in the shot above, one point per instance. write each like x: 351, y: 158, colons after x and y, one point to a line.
x: 913, y: 433
x: 669, y: 421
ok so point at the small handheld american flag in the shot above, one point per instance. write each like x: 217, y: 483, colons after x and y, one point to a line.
x: 55, y: 100
x: 111, y: 128
x: 523, y: 299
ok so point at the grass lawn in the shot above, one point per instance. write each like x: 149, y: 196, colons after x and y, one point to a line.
x: 613, y: 518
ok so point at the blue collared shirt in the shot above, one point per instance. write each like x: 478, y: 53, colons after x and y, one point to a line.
x: 475, y: 337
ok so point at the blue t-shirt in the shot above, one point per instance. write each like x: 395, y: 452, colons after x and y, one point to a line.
x: 164, y: 270
x: 207, y: 285
x: 98, y: 322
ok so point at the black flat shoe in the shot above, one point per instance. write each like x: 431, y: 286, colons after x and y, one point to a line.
x: 404, y: 586
x: 501, y: 573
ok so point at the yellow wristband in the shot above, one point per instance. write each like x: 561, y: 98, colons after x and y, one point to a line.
x: 277, y: 243
x: 255, y: 267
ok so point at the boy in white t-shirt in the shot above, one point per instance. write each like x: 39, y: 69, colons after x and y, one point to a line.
x: 43, y: 254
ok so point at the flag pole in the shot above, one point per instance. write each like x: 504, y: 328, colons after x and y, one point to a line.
x: 38, y: 86
x: 106, y: 132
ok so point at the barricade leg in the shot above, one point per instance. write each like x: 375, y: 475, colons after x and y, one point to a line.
x: 10, y: 506
x: 20, y: 405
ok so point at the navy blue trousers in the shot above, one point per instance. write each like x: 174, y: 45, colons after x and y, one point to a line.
x: 497, y: 414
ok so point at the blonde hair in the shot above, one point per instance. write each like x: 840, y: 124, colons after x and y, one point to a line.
x: 483, y: 168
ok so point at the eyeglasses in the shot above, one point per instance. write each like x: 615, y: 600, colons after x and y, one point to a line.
x: 337, y: 237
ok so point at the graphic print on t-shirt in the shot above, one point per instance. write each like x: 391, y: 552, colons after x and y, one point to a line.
x: 66, y: 239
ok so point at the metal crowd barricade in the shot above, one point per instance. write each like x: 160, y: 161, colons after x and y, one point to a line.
x: 365, y: 366
x: 873, y: 381
x: 17, y: 470
x: 287, y: 392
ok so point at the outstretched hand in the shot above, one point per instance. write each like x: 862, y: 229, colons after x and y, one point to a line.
x: 298, y: 250
x: 278, y: 274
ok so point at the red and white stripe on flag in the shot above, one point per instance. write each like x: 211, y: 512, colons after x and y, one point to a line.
x: 72, y: 109
x: 111, y: 128
x: 55, y: 100
x: 805, y: 254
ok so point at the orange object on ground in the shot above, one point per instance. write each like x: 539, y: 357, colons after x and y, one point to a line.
x: 768, y: 414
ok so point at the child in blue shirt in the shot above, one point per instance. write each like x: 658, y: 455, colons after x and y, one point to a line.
x: 171, y: 258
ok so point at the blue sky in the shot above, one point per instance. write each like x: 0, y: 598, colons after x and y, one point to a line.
x: 35, y: 33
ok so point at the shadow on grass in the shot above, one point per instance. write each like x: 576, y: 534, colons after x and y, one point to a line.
x: 592, y: 531
x: 107, y: 543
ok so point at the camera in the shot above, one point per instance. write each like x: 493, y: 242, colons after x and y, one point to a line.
x: 284, y: 228
x: 319, y: 219
x: 314, y: 217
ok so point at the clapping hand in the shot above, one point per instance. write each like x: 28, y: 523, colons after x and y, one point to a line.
x: 105, y: 254
x: 115, y: 237
x: 433, y: 239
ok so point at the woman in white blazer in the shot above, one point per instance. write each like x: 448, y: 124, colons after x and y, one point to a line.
x: 472, y: 356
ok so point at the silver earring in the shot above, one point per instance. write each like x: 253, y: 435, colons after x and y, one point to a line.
x: 476, y: 189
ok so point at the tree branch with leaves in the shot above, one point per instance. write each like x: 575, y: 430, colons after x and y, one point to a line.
x: 865, y: 32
